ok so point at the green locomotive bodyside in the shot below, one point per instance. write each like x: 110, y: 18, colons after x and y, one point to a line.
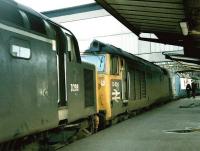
x: 43, y: 80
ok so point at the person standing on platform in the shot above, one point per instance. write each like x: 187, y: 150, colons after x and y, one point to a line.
x: 194, y: 89
x: 188, y: 89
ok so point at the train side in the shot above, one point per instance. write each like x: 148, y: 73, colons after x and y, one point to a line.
x: 43, y: 81
x: 126, y: 83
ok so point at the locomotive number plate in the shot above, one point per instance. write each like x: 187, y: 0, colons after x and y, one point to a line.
x: 74, y: 87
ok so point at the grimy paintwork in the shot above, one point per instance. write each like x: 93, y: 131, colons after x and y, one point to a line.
x: 33, y: 90
x: 137, y: 84
x: 51, y: 88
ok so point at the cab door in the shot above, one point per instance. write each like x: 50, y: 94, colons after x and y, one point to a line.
x: 80, y: 83
x: 74, y: 80
x: 115, y: 86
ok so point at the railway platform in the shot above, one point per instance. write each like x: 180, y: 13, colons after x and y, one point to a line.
x: 174, y: 126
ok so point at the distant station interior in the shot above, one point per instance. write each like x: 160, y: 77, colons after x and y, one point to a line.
x: 112, y: 75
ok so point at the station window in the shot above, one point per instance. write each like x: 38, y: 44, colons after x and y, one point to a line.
x: 114, y: 68
x: 20, y: 48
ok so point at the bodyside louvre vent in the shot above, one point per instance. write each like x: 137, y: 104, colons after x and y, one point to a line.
x: 89, y: 87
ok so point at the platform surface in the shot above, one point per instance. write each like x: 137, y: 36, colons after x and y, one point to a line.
x: 150, y: 131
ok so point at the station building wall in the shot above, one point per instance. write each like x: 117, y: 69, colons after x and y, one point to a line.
x: 107, y: 29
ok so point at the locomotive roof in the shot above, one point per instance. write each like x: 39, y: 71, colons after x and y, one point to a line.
x: 22, y: 7
x: 33, y: 12
x: 99, y: 47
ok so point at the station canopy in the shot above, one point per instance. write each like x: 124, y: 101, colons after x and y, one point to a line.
x: 175, y: 22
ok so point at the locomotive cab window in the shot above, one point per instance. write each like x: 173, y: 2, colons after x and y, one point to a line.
x: 114, y: 65
x: 20, y: 48
x: 20, y: 52
x: 71, y: 49
x: 98, y: 59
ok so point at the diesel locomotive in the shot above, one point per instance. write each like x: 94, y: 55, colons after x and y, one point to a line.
x: 126, y: 83
x: 44, y: 85
x: 46, y: 89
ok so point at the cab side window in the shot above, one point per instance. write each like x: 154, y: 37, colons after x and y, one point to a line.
x: 114, y: 65
x: 71, y: 48
x: 20, y: 48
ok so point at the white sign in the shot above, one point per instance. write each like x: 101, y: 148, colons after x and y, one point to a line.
x: 115, y: 95
x: 184, y: 82
x: 74, y: 87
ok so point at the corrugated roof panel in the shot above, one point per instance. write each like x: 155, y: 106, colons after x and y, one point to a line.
x: 146, y: 13
x: 163, y: 19
x: 158, y: 4
x: 153, y: 22
x: 148, y: 9
x: 154, y: 16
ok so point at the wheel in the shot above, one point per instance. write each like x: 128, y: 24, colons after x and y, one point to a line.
x: 92, y: 124
x: 102, y: 121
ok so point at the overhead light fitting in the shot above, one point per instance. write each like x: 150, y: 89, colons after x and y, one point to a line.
x: 184, y: 28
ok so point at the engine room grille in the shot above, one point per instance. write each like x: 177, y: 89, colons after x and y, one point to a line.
x: 143, y: 85
x: 89, y: 87
x: 137, y: 85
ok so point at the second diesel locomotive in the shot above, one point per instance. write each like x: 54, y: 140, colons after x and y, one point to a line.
x: 126, y: 83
